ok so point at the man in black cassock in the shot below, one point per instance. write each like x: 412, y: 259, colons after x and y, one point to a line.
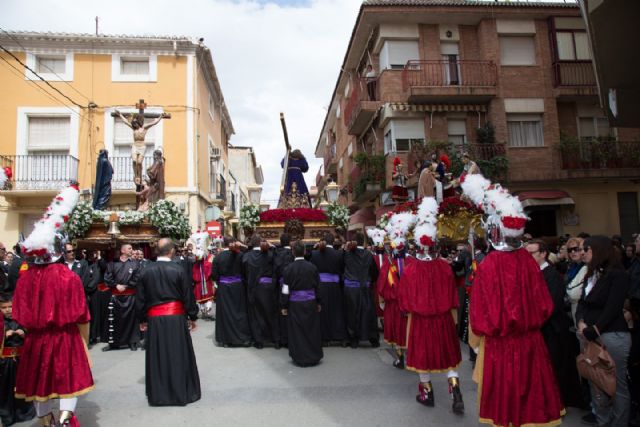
x: 104, y: 173
x: 99, y: 299
x: 257, y: 274
x: 328, y: 261
x: 232, y: 318
x: 301, y: 304
x: 167, y: 312
x: 122, y: 278
x: 80, y: 267
x: 283, y: 258
x: 360, y: 272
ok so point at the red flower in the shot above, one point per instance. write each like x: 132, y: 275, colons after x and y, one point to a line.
x: 65, y: 218
x: 514, y: 222
x: 58, y: 198
x: 57, y: 225
x: 8, y: 172
x: 302, y: 214
x: 426, y: 240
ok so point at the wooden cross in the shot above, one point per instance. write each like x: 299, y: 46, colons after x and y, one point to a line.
x: 141, y: 105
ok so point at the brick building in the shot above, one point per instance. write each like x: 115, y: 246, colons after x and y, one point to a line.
x: 441, y: 71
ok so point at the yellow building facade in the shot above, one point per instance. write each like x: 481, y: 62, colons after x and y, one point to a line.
x: 59, y: 93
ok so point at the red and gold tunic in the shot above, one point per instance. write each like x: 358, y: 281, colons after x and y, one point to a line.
x: 428, y: 293
x: 202, y: 284
x: 510, y: 302
x: 389, y: 280
x: 50, y: 303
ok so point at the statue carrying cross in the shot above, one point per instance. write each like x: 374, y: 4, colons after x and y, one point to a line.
x: 136, y: 123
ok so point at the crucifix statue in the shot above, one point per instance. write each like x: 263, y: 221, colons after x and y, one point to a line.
x: 135, y: 121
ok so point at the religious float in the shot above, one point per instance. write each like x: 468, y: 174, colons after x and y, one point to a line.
x: 93, y: 225
x: 294, y: 214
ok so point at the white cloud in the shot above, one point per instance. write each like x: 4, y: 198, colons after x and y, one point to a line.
x: 269, y: 57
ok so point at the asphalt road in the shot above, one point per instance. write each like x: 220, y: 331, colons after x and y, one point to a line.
x: 249, y: 387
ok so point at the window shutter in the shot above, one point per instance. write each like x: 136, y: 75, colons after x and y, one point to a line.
x: 409, y: 129
x: 135, y: 66
x: 517, y: 51
x: 565, y: 46
x: 49, y: 133
x: 402, y: 51
x: 457, y: 127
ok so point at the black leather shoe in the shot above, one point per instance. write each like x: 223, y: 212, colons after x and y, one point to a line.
x: 258, y: 345
x: 276, y: 346
x: 133, y: 347
x: 108, y: 348
x: 375, y: 344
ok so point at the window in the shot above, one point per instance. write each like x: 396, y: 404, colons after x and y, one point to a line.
x: 457, y: 132
x: 212, y: 107
x: 134, y: 68
x: 400, y: 135
x: 517, y: 50
x: 49, y: 133
x: 450, y: 64
x: 593, y: 127
x: 48, y: 142
x: 573, y: 46
x: 396, y: 53
x: 525, y: 130
x: 54, y: 67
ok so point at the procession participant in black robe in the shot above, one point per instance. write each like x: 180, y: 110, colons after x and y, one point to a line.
x: 167, y: 311
x: 328, y: 261
x: 257, y: 274
x: 283, y: 258
x: 232, y: 318
x: 301, y: 304
x: 99, y: 299
x: 78, y: 266
x: 359, y: 273
x: 12, y: 409
x: 122, y: 278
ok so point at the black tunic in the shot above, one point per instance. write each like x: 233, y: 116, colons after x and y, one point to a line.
x: 232, y: 319
x: 303, y: 319
x: 359, y: 273
x: 171, y: 373
x: 257, y: 274
x: 99, y: 303
x: 12, y: 410
x: 329, y: 262
x: 123, y: 325
x: 283, y: 258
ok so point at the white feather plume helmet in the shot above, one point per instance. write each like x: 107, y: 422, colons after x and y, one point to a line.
x: 426, y: 229
x: 41, y: 241
x: 200, y: 241
x: 399, y: 227
x: 496, y: 201
x: 377, y: 236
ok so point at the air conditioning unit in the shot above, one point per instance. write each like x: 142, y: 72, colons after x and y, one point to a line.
x: 215, y: 152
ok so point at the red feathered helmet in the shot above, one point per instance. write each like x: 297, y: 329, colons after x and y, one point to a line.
x: 445, y: 159
x: 396, y: 162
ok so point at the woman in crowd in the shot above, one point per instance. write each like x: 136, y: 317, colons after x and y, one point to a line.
x: 575, y: 274
x: 600, y: 317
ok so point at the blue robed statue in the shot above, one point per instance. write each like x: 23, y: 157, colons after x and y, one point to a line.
x: 295, y: 193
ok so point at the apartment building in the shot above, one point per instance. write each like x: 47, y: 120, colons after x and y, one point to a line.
x: 55, y: 122
x: 441, y: 70
x: 248, y: 174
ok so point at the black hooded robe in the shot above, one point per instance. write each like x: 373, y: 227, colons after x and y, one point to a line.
x: 257, y: 274
x: 329, y: 265
x: 282, y: 259
x: 360, y: 272
x: 123, y: 327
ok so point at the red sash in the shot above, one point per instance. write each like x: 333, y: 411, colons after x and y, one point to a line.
x: 126, y: 292
x: 167, y: 309
x: 103, y: 288
x: 10, y: 352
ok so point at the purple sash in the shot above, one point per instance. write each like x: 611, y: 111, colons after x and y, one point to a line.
x: 229, y: 280
x: 266, y: 280
x: 354, y: 284
x: 281, y: 281
x: 301, y: 296
x: 329, y: 278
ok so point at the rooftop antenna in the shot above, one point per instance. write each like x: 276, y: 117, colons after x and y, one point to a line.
x: 97, y: 20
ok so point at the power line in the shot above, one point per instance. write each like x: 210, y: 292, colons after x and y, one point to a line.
x: 20, y: 76
x: 45, y: 65
x: 40, y: 77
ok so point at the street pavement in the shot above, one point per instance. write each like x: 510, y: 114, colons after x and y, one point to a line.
x: 250, y: 387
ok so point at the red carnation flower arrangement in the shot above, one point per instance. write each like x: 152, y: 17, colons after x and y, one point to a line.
x: 452, y: 205
x: 302, y: 214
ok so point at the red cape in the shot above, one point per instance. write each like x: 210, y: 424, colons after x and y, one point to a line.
x: 510, y: 302
x: 49, y: 302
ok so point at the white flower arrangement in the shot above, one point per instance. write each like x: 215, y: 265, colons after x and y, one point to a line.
x: 80, y: 220
x: 338, y: 215
x: 169, y: 220
x: 249, y: 216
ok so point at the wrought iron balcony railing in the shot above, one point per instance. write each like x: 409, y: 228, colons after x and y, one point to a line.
x: 40, y: 171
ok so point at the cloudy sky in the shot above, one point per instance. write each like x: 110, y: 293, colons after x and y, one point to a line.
x: 271, y: 56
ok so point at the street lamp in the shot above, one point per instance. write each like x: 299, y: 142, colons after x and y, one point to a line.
x: 332, y: 191
x: 324, y: 205
x: 255, y: 192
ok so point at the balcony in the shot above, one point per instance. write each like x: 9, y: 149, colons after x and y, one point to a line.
x: 600, y: 154
x: 447, y: 81
x: 230, y: 204
x: 123, y: 171
x: 362, y: 105
x: 40, y: 171
x: 331, y: 159
x: 574, y: 78
x: 486, y: 151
